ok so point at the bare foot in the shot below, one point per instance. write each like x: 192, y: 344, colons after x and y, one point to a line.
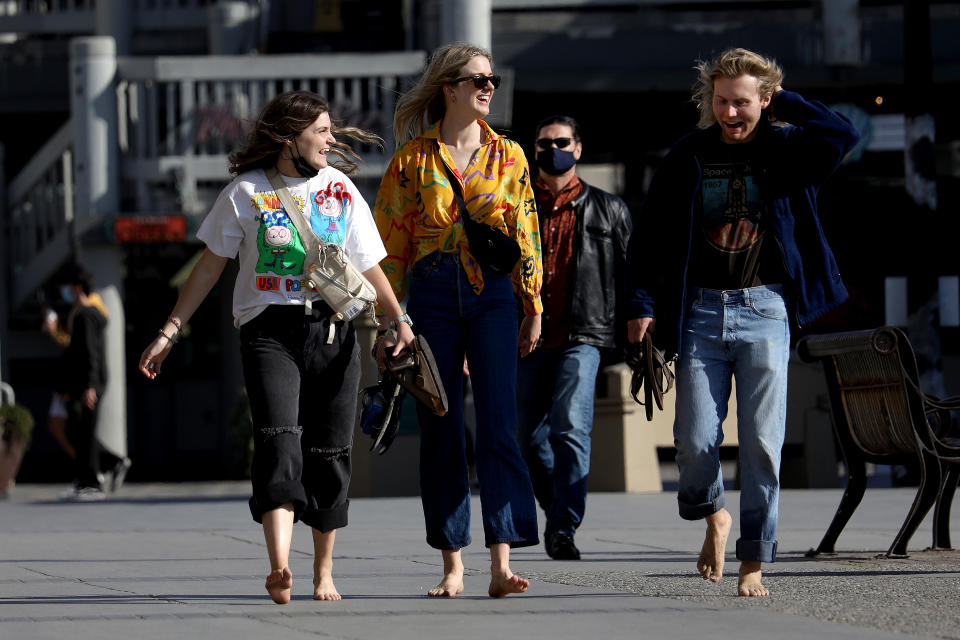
x: 452, y: 582
x: 710, y: 562
x: 451, y: 585
x: 749, y: 584
x: 278, y: 585
x: 323, y: 588
x: 503, y: 584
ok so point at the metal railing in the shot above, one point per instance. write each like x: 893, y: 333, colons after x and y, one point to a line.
x: 47, y: 17
x: 79, y: 16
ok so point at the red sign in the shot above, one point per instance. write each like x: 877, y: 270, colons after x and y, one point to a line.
x: 140, y: 229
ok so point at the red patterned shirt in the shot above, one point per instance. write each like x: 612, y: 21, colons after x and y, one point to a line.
x: 558, y: 223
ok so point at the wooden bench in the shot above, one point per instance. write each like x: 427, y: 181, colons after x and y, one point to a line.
x: 880, y: 415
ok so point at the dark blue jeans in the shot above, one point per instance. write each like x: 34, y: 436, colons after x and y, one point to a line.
x: 457, y: 322
x: 555, y: 397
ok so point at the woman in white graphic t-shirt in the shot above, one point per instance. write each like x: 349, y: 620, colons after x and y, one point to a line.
x: 301, y: 369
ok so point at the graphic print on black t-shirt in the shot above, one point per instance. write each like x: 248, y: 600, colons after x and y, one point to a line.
x: 729, y: 250
x: 731, y: 206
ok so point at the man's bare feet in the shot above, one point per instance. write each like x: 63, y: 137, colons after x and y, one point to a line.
x: 278, y: 585
x: 749, y: 583
x: 504, y: 583
x: 323, y: 588
x: 710, y: 562
x: 452, y: 582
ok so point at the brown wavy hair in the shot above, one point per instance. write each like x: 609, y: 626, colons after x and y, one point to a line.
x: 423, y: 104
x: 285, y: 117
x: 733, y: 63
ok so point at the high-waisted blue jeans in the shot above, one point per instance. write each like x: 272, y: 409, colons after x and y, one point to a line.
x: 742, y: 333
x: 457, y: 321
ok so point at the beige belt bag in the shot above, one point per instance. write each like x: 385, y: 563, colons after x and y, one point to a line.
x: 339, y: 283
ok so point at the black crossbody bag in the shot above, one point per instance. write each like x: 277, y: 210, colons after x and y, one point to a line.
x: 495, y: 251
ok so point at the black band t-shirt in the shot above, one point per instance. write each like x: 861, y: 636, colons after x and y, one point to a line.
x: 731, y: 249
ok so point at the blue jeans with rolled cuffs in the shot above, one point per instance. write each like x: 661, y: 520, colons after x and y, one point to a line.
x: 457, y: 321
x: 743, y: 333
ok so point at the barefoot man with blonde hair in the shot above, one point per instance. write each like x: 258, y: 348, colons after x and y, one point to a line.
x: 727, y: 253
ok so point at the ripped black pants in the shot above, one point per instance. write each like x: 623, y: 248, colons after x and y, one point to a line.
x: 303, y: 398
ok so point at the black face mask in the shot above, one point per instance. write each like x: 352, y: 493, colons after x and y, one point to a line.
x: 303, y: 167
x: 555, y: 161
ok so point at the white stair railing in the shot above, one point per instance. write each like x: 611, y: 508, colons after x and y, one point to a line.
x: 41, y: 205
x: 181, y: 116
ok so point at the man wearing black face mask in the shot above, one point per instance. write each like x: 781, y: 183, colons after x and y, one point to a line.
x: 584, y: 232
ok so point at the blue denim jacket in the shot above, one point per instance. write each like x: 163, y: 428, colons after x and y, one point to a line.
x: 793, y: 161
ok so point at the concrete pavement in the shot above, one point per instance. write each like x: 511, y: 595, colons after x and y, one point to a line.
x: 186, y: 561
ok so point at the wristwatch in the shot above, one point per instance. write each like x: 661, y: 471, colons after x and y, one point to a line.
x: 404, y: 318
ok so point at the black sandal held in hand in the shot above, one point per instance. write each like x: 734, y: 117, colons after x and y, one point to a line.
x: 650, y: 372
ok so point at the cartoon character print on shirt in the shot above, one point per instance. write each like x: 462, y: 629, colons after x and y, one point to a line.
x: 731, y: 207
x: 329, y: 211
x: 278, y: 243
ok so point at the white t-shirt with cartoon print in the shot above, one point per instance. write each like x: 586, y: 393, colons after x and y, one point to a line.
x: 248, y: 222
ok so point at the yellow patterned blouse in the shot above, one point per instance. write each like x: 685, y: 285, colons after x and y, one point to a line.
x: 416, y: 209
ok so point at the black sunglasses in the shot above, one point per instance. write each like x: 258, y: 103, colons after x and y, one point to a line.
x: 479, y: 81
x: 546, y: 143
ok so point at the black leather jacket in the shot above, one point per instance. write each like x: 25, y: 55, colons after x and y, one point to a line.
x: 600, y: 256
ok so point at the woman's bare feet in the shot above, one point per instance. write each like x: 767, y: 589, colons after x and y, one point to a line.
x: 451, y: 585
x: 323, y: 587
x: 279, y: 583
x: 504, y: 583
x: 502, y: 580
x: 710, y: 562
x: 749, y: 583
x: 452, y: 582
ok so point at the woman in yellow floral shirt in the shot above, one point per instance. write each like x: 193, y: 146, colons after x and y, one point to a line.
x: 462, y: 310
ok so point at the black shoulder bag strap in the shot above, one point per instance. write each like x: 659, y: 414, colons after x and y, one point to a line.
x: 458, y: 194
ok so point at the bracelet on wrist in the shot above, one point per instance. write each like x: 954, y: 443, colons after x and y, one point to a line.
x: 403, y: 318
x: 175, y: 322
x: 170, y: 339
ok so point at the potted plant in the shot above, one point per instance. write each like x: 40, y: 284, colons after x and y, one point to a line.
x: 16, y: 423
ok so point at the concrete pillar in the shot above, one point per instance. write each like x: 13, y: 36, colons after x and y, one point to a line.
x: 920, y: 172
x: 467, y: 21
x: 841, y: 32
x: 232, y: 28
x: 93, y: 97
x: 105, y: 264
x: 93, y: 70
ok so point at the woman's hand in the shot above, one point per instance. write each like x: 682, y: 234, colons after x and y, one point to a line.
x: 529, y: 334
x: 395, y: 342
x: 153, y: 356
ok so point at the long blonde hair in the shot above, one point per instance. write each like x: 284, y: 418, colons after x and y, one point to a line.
x: 733, y: 63
x: 423, y: 104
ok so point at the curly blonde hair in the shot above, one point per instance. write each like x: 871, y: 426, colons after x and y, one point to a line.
x: 733, y: 63
x: 423, y: 104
